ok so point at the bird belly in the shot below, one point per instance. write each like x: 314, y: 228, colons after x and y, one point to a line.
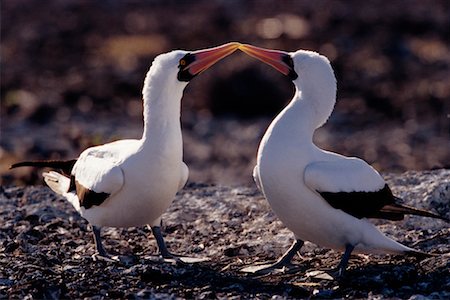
x: 310, y: 220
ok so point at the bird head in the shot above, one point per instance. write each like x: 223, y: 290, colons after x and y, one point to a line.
x: 172, y: 71
x: 303, y: 63
x: 310, y: 72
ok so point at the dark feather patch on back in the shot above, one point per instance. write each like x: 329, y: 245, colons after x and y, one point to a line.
x: 72, y: 186
x: 89, y: 198
x: 364, y: 204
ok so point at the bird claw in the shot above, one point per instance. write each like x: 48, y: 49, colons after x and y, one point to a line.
x: 322, y: 275
x: 192, y: 260
x: 179, y: 259
x: 271, y: 269
x: 333, y: 274
x: 170, y: 257
x: 104, y: 257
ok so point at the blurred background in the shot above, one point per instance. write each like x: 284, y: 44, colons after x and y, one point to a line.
x: 72, y: 73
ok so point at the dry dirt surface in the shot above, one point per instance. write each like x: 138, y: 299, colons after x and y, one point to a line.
x: 46, y: 249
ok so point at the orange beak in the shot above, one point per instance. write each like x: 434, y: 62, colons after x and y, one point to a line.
x: 280, y: 60
x: 208, y: 57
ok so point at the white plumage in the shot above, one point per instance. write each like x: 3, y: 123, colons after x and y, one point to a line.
x: 342, y: 174
x: 132, y: 182
x: 323, y: 197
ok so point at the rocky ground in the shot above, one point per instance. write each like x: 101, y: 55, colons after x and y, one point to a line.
x: 46, y: 249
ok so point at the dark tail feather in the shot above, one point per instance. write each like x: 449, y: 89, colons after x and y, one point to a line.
x: 403, y: 209
x: 64, y: 165
x: 420, y: 254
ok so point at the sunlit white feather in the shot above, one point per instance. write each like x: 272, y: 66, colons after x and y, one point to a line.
x: 291, y: 169
x: 141, y: 176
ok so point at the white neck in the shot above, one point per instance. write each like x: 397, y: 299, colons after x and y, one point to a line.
x: 309, y: 109
x: 162, y: 104
x: 315, y: 87
x: 296, y: 120
x: 318, y: 99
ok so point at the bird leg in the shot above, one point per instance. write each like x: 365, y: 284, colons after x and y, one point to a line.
x: 287, y: 257
x: 282, y: 263
x: 334, y: 274
x: 161, y: 244
x: 98, y: 242
x: 340, y: 270
x: 164, y: 252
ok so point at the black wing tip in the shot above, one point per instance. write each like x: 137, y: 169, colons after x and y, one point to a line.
x: 20, y: 164
x: 397, y: 208
x: 65, y: 165
x: 420, y: 255
x: 26, y: 164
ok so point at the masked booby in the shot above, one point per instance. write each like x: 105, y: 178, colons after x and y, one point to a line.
x: 321, y: 196
x: 132, y: 182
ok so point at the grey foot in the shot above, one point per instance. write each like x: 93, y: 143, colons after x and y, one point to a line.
x: 101, y: 252
x: 274, y: 268
x: 283, y: 265
x: 169, y: 257
x: 334, y: 274
x: 105, y: 257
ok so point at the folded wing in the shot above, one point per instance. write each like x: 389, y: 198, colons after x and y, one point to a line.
x: 352, y: 186
x: 95, y: 178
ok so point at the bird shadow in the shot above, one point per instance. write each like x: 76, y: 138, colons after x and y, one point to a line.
x: 207, y: 278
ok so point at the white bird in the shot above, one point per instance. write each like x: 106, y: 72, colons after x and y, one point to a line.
x: 323, y: 197
x: 132, y: 182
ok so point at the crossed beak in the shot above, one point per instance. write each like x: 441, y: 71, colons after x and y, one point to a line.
x: 279, y: 60
x: 203, y: 59
x: 198, y: 61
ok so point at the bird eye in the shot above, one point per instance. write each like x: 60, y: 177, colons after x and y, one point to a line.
x: 183, y: 66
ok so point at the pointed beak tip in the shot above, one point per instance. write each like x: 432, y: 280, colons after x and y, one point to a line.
x: 233, y: 46
x: 208, y: 57
x: 274, y: 58
x: 246, y: 48
x: 242, y: 46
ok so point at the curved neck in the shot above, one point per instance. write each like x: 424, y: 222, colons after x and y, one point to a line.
x: 318, y: 99
x: 308, y: 110
x: 298, y: 118
x: 162, y: 105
